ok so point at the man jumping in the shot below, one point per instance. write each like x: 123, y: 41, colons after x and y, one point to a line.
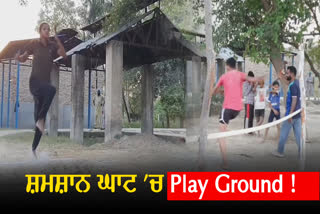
x: 232, y: 82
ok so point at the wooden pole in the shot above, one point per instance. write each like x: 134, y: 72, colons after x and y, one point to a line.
x: 209, y: 82
x: 302, y: 154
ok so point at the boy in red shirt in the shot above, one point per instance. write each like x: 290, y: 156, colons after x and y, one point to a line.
x: 232, y: 82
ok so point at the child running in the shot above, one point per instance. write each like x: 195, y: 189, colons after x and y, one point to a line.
x: 44, y: 51
x: 274, y: 104
x: 232, y: 82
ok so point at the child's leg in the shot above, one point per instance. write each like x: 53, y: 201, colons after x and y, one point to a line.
x: 265, y: 134
x: 259, y: 123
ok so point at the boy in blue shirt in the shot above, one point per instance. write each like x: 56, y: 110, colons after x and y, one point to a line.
x: 274, y: 104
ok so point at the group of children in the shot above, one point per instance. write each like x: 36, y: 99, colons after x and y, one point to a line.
x: 255, y: 103
x: 235, y: 83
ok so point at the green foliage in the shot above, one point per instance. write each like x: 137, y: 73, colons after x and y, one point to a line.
x: 121, y: 13
x: 314, y: 54
x: 124, y: 11
x: 67, y: 14
x: 251, y: 27
x: 216, y: 104
x: 172, y: 102
x: 60, y: 12
x: 168, y: 80
x: 92, y: 10
x: 132, y: 90
x: 167, y: 74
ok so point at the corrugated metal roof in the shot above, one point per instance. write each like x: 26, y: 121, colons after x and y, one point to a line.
x: 67, y: 37
x: 89, y: 48
x: 226, y: 53
x: 98, y: 25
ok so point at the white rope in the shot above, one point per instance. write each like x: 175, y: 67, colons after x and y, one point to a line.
x: 249, y: 130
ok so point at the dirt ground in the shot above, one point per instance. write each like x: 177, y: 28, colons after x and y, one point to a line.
x: 154, y: 154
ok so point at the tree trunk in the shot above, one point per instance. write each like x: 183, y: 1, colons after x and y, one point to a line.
x: 209, y: 83
x: 303, y: 108
x: 168, y: 120
x: 312, y: 67
x: 307, y: 57
x: 125, y: 107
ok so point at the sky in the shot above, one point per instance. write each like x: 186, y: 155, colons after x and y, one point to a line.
x: 18, y: 22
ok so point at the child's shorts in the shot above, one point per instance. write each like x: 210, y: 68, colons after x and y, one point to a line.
x: 259, y: 113
x: 273, y: 115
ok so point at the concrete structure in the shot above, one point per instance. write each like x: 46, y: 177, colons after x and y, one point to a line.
x: 113, y: 93
x: 154, y: 39
x: 147, y: 100
x: 194, y: 88
x: 77, y: 94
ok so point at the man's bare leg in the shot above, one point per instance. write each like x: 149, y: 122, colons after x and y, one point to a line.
x: 223, y: 147
x: 40, y: 124
x: 34, y: 154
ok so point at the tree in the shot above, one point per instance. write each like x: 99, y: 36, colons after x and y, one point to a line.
x: 313, y: 54
x: 23, y: 2
x: 176, y: 10
x: 258, y: 29
x: 63, y: 13
x: 209, y: 83
x: 172, y: 102
x: 169, y: 86
x: 92, y: 10
x: 169, y: 80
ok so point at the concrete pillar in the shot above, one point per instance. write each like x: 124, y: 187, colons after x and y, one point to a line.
x: 196, y: 85
x: 113, y: 90
x: 53, y: 114
x: 203, y: 76
x: 77, y: 98
x: 147, y: 100
x: 193, y: 96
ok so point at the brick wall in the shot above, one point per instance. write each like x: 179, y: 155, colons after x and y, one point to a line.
x: 65, y: 85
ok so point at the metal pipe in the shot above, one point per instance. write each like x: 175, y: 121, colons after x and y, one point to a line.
x: 2, y: 96
x: 8, y: 100
x: 270, y: 75
x: 89, y: 101
x: 17, y: 96
x: 281, y: 90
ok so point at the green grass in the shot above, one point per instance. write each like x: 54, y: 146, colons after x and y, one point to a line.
x: 28, y: 137
x: 50, y: 141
